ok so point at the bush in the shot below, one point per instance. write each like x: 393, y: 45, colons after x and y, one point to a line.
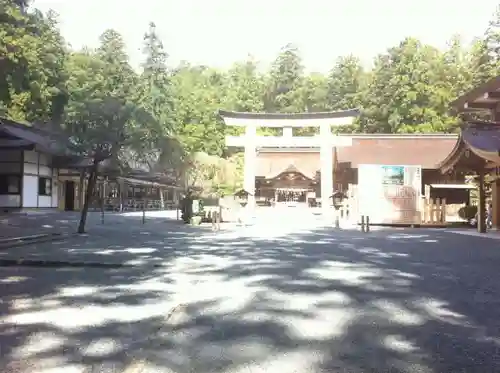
x: 467, y: 212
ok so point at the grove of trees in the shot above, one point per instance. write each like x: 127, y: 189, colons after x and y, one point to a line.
x: 166, y: 116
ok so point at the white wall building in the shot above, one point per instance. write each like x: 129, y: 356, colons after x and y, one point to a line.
x: 28, y: 178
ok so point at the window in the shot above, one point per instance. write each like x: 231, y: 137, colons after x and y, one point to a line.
x: 10, y: 184
x: 44, y: 186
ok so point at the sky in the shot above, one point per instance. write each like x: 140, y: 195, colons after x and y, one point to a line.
x: 220, y: 32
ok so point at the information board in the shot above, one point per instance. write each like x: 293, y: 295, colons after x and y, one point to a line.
x: 390, y: 194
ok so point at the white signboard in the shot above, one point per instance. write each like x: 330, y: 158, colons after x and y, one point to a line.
x: 390, y: 194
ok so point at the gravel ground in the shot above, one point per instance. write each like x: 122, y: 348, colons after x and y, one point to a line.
x: 297, y: 298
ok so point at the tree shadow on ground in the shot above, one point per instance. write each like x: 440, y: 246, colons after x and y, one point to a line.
x: 238, y: 301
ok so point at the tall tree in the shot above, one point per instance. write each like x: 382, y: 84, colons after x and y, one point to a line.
x: 155, y: 95
x: 347, y: 84
x: 32, y: 56
x: 120, y: 80
x: 492, y: 38
x: 285, y: 79
x: 155, y: 92
x: 405, y: 93
x: 480, y: 67
x: 199, y: 93
x: 244, y: 87
x: 103, y: 117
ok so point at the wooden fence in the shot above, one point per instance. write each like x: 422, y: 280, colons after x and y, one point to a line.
x: 433, y: 211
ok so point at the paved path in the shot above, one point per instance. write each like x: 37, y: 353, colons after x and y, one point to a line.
x: 256, y: 300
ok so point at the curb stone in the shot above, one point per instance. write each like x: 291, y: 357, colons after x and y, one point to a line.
x: 69, y: 264
x: 34, y: 239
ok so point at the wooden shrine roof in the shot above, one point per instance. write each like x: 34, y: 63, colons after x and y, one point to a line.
x: 242, y: 193
x: 478, y: 147
x: 271, y: 165
x: 292, y: 169
x: 484, y: 97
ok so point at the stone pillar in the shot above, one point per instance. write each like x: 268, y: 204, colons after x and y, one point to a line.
x: 250, y: 164
x: 326, y: 161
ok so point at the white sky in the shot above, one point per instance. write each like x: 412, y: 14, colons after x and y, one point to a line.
x: 220, y: 32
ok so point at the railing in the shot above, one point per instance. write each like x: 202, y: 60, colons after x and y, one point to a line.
x: 132, y: 204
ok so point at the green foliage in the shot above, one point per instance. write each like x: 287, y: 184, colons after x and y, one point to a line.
x: 467, y: 212
x: 163, y: 118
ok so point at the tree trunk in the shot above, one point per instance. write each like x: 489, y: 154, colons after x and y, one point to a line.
x: 88, y: 196
x: 80, y: 189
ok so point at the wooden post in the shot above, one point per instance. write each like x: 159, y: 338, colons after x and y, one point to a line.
x: 481, y: 213
x: 144, y: 201
x: 437, y: 211
x: 219, y: 217
x: 162, y: 198
x: 121, y: 192
x: 103, y: 199
x: 177, y: 202
x: 495, y: 202
x: 443, y: 211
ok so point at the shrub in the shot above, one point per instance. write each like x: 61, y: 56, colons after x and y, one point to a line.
x: 467, y: 212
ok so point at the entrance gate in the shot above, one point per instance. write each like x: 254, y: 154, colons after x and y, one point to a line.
x: 324, y: 142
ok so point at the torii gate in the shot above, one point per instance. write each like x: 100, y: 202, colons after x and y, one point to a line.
x: 325, y: 141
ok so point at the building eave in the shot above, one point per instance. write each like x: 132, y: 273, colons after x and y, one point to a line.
x: 484, y: 97
x: 453, y: 158
x: 478, y: 147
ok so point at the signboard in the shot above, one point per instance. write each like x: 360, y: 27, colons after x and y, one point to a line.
x: 393, y: 175
x: 390, y: 194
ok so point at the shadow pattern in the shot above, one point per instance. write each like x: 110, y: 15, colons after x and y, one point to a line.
x: 302, y: 300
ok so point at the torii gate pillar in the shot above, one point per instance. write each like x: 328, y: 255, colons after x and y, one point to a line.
x: 250, y: 163
x: 326, y: 162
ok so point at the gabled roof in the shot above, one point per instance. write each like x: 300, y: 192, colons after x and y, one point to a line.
x: 290, y: 169
x: 242, y: 193
x: 271, y: 164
